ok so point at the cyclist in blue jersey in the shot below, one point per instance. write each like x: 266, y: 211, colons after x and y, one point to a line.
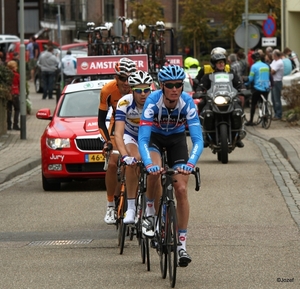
x: 165, y: 115
x: 127, y: 121
x: 261, y: 77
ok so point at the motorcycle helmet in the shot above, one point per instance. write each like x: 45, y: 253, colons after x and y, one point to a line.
x: 215, y: 58
x: 125, y: 66
x: 171, y: 72
x: 139, y: 77
x: 218, y: 50
x: 256, y: 56
x: 191, y: 62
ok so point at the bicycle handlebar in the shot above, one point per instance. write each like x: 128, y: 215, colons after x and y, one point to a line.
x: 196, y: 173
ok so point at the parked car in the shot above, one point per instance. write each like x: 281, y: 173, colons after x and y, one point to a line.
x: 38, y: 84
x: 71, y: 146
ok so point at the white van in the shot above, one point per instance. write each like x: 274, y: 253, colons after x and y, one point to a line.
x: 5, y: 41
x: 8, y: 38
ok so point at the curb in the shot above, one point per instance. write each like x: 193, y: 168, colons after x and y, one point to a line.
x: 19, y: 169
x: 286, y: 149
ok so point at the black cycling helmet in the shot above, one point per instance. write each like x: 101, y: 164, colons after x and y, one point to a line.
x: 215, y: 58
x: 256, y: 56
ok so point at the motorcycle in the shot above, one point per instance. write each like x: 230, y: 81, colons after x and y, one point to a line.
x: 222, y: 116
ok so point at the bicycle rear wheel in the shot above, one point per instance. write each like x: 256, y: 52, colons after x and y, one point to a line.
x: 171, y: 235
x: 267, y: 115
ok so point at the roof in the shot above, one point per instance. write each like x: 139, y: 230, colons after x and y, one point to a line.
x: 87, y: 85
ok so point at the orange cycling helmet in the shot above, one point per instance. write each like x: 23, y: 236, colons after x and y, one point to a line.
x: 125, y: 66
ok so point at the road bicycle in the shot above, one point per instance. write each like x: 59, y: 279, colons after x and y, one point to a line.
x: 264, y: 112
x: 166, y: 234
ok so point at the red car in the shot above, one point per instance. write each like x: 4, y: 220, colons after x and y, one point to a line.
x: 71, y: 146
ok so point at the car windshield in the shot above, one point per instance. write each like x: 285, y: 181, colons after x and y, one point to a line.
x: 80, y: 104
x: 187, y: 87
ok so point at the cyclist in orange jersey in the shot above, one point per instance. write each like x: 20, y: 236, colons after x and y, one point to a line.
x: 109, y: 96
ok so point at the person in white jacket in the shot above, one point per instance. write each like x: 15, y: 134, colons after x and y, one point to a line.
x: 69, y: 67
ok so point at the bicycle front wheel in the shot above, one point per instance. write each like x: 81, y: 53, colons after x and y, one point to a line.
x: 171, y: 235
x: 267, y: 115
x: 121, y: 226
x: 162, y: 243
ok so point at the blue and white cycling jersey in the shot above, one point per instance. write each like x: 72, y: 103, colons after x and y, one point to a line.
x: 157, y: 118
x: 128, y: 112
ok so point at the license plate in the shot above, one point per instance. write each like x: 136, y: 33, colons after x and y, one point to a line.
x: 94, y: 158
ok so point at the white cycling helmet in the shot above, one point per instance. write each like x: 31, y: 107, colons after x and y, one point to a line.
x: 218, y: 50
x: 139, y: 77
x: 125, y: 66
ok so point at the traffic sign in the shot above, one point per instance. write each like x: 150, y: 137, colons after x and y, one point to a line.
x: 269, y: 27
x: 268, y: 41
x: 253, y: 36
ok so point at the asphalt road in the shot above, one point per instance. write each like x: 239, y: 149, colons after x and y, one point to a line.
x: 241, y: 231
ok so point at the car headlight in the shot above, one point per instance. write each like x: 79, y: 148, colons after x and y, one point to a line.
x: 220, y: 100
x: 58, y: 143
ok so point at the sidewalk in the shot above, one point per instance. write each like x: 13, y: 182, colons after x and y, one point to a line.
x: 18, y: 156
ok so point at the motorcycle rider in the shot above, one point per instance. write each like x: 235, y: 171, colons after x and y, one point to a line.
x: 260, y: 77
x: 218, y: 63
x: 207, y: 69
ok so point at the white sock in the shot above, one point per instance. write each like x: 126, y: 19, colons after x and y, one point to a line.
x: 182, y: 234
x: 110, y: 204
x: 150, y: 210
x: 131, y: 204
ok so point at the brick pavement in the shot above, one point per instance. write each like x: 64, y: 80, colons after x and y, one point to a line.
x: 20, y: 155
x: 17, y: 155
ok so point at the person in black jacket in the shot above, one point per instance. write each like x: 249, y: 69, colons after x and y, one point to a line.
x: 218, y: 63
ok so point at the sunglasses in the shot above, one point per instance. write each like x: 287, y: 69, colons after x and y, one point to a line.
x: 140, y: 90
x: 123, y: 78
x: 171, y: 85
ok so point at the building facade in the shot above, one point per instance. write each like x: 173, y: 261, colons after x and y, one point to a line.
x: 290, y: 19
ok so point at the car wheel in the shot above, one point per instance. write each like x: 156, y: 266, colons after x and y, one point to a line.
x: 50, y: 186
x: 37, y: 83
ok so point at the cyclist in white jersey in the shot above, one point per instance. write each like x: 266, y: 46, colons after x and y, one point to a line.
x: 127, y: 120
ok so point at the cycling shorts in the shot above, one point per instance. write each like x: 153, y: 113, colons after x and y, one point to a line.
x: 128, y: 139
x: 175, y: 145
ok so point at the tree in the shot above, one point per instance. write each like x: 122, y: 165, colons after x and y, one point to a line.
x: 231, y: 11
x: 194, y: 22
x: 146, y: 12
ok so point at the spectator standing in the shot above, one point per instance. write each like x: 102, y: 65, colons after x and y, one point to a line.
x: 277, y: 72
x: 34, y: 53
x: 293, y: 57
x: 235, y: 65
x: 69, y: 67
x: 241, y: 57
x: 48, y: 63
x: 14, y: 102
x: 287, y: 65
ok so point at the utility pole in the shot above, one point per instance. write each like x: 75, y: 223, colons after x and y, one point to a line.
x: 3, y: 17
x: 246, y: 30
x: 22, y: 73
